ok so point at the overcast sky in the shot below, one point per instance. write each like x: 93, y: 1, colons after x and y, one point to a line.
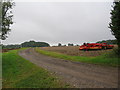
x: 60, y: 22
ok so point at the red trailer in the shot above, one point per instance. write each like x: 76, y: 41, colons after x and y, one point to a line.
x: 95, y: 46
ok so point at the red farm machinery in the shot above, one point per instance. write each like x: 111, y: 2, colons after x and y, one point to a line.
x: 95, y: 46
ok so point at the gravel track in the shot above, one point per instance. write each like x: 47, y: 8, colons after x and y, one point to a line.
x: 77, y: 74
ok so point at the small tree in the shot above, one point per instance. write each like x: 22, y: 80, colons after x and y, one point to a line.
x: 70, y: 44
x: 115, y: 22
x: 59, y: 44
x: 6, y: 18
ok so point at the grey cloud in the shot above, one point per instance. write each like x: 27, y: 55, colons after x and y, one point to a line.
x: 61, y: 22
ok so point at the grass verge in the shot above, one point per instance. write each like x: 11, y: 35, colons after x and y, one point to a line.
x: 104, y: 59
x: 21, y: 73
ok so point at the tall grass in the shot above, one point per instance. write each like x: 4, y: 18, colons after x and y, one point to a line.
x: 20, y: 73
x: 104, y: 59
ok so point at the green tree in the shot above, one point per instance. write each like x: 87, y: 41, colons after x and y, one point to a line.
x: 115, y: 22
x: 70, y: 44
x: 5, y: 18
x: 108, y: 41
x: 35, y: 44
x: 59, y: 44
x: 0, y: 19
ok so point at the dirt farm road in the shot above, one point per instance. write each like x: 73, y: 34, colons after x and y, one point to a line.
x: 80, y: 75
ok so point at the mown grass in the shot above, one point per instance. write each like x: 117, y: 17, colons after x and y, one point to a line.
x: 21, y: 73
x: 104, y: 59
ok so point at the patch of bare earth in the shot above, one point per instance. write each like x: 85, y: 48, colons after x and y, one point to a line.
x: 77, y: 74
x: 74, y: 51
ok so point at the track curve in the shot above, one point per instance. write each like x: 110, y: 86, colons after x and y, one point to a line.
x: 79, y: 75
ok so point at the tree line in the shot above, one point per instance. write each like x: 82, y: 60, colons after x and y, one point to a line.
x: 26, y: 44
x: 44, y: 44
x: 108, y: 41
x: 102, y: 41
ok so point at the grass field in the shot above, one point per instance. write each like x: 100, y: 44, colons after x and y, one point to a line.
x: 20, y: 73
x: 103, y: 57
